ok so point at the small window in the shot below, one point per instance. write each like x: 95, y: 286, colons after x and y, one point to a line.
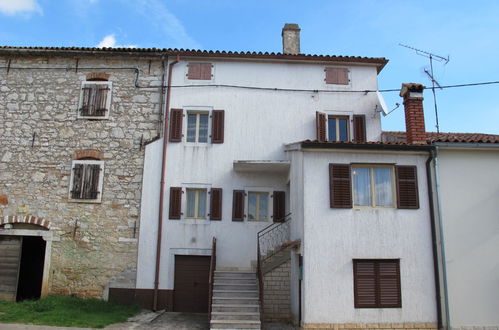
x: 337, y: 76
x: 196, y: 204
x: 86, y: 180
x: 377, y: 283
x: 197, y: 127
x: 95, y: 100
x: 258, y: 206
x: 199, y: 71
x: 338, y: 128
x: 372, y: 186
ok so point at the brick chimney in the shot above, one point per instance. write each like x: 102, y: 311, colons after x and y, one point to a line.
x: 291, y: 39
x: 414, y: 114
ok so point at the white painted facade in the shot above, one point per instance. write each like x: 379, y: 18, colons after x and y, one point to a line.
x: 469, y: 197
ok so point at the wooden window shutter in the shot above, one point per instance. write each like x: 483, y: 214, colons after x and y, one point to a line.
x: 407, y: 187
x: 217, y: 126
x: 340, y: 186
x: 320, y: 126
x: 238, y: 205
x: 175, y: 202
x: 205, y: 71
x: 365, y: 291
x: 77, y: 181
x: 86, y: 100
x: 337, y: 76
x: 216, y: 204
x: 101, y: 100
x: 359, y: 128
x: 194, y: 71
x: 279, y: 206
x: 389, y: 283
x: 176, y: 125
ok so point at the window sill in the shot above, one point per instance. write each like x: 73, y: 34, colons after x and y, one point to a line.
x: 85, y: 201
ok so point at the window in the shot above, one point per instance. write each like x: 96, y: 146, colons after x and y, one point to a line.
x: 258, y: 206
x: 86, y: 180
x: 95, y: 100
x: 336, y: 76
x: 377, y: 283
x: 199, y: 71
x: 197, y: 127
x: 372, y: 185
x: 196, y: 204
x: 338, y: 128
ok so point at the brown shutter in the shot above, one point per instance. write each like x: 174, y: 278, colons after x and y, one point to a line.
x: 217, y: 126
x: 359, y: 128
x: 340, y: 186
x: 337, y: 76
x: 194, y: 71
x: 216, y: 204
x: 320, y: 126
x: 205, y: 71
x: 175, y: 202
x: 77, y: 181
x: 86, y: 101
x: 407, y: 187
x: 94, y: 190
x: 238, y: 205
x: 389, y: 283
x: 176, y: 125
x: 364, y: 284
x: 101, y: 100
x: 279, y: 205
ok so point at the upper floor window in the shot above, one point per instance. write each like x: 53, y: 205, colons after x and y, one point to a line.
x: 86, y: 180
x: 338, y: 128
x: 196, y: 204
x: 258, y: 206
x: 199, y: 200
x: 372, y: 186
x: 336, y: 76
x: 199, y: 71
x: 95, y: 99
x: 197, y: 126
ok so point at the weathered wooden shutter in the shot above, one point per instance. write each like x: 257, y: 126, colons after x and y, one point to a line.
x: 175, y: 203
x: 337, y: 76
x: 93, y: 190
x: 279, y: 205
x: 238, y: 205
x: 194, y: 71
x: 205, y: 71
x: 340, y: 186
x: 216, y: 204
x: 77, y: 181
x: 389, y: 283
x: 407, y: 187
x: 86, y: 100
x: 320, y: 126
x: 217, y: 126
x: 101, y: 100
x: 10, y: 258
x: 365, y: 288
x: 359, y: 128
x: 176, y: 116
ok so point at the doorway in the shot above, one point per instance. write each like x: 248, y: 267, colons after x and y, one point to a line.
x: 31, y: 268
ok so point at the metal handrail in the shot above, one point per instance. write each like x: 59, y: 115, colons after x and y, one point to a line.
x: 259, y: 272
x: 272, y: 237
x: 213, y: 266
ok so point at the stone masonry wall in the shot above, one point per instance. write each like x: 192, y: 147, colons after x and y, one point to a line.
x: 377, y: 326
x: 39, y: 137
x: 277, y: 299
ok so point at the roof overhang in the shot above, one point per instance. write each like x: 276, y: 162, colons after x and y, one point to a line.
x: 262, y: 166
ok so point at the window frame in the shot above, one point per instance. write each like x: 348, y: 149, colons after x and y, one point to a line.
x: 372, y: 185
x: 270, y: 207
x: 99, y: 185
x: 108, y: 100
x: 198, y: 113
x: 337, y: 117
x: 196, y: 203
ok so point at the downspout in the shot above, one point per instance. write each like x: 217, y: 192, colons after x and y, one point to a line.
x: 162, y: 185
x: 434, y: 244
x: 442, y: 242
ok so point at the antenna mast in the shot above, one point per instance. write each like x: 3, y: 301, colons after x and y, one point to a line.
x: 430, y: 74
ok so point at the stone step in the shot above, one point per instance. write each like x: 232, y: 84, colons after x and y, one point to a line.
x: 233, y: 286
x: 234, y: 324
x: 235, y: 301
x: 235, y: 274
x: 235, y: 308
x: 235, y: 316
x: 235, y: 293
x: 235, y: 280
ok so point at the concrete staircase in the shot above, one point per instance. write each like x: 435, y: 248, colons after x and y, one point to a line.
x: 235, y: 302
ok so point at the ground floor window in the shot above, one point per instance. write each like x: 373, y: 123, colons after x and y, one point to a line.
x: 258, y: 206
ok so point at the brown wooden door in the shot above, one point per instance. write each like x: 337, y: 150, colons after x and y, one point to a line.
x: 10, y: 258
x: 191, y: 284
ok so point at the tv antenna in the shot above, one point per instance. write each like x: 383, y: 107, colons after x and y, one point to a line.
x: 430, y: 74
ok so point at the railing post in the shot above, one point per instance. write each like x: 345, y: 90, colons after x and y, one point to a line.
x: 213, y: 265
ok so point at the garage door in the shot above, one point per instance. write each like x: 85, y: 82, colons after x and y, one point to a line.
x: 191, y: 284
x: 10, y: 257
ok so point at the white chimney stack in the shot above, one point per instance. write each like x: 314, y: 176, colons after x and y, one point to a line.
x: 291, y: 39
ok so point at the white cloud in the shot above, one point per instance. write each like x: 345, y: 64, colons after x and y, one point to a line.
x: 110, y: 41
x: 12, y: 7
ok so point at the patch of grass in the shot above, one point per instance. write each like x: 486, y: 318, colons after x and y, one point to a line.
x: 65, y: 311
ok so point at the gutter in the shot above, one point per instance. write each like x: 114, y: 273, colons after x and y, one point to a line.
x: 162, y: 186
x: 464, y: 145
x: 365, y: 146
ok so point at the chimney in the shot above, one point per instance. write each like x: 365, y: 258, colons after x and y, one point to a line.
x: 291, y: 39
x: 414, y: 114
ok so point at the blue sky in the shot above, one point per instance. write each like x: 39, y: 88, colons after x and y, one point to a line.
x: 466, y: 31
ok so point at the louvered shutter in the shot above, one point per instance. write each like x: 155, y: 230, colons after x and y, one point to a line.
x: 101, y: 100
x: 77, y: 181
x: 407, y: 187
x: 217, y: 126
x: 175, y: 203
x: 194, y: 71
x: 216, y: 204
x: 238, y: 205
x: 205, y: 71
x: 279, y: 205
x: 93, y: 190
x: 389, y: 283
x: 86, y: 100
x: 359, y: 128
x: 340, y: 186
x: 176, y: 125
x: 337, y: 76
x: 320, y: 126
x: 365, y: 291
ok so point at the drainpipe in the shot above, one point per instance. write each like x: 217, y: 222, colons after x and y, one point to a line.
x: 442, y: 242
x: 434, y: 244
x: 162, y: 185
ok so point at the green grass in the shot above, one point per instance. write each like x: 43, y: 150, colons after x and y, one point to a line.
x: 65, y: 311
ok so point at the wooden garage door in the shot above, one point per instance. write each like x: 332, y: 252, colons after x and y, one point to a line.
x: 10, y: 257
x: 191, y: 284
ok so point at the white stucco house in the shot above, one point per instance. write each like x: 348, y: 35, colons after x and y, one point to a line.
x: 293, y: 142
